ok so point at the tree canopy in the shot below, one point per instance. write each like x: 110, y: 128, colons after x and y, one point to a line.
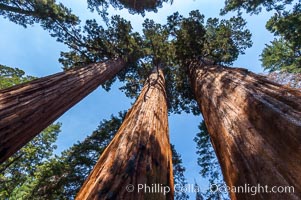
x: 28, y: 12
x: 255, y: 7
x: 170, y: 46
x: 283, y: 54
x: 134, y: 7
x: 12, y: 76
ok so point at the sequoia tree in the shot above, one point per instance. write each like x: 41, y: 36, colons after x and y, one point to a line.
x: 97, y: 57
x: 22, y: 165
x: 254, y: 123
x: 255, y: 128
x: 139, y: 153
x: 28, y: 108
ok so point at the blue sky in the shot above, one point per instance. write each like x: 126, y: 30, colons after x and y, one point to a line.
x: 35, y: 52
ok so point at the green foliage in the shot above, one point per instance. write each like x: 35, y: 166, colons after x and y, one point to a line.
x: 97, y: 44
x: 12, y: 76
x: 20, y: 169
x: 208, y: 162
x: 170, y: 47
x: 45, y: 12
x: 61, y: 177
x: 226, y: 39
x: 156, y: 44
x: 220, y: 41
x: 283, y: 54
x: 286, y: 24
x: 254, y: 6
x: 194, y: 40
x: 178, y: 175
x: 189, y: 34
x: 173, y: 45
x: 156, y: 51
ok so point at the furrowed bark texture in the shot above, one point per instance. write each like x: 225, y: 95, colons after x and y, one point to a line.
x: 255, y: 128
x: 27, y: 109
x: 139, y: 153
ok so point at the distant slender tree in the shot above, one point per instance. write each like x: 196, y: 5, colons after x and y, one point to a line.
x: 178, y: 174
x: 248, y: 117
x: 198, y: 194
x: 210, y: 167
x: 140, y: 151
x: 62, y: 176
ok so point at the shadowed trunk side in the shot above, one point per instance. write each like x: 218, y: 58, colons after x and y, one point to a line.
x: 139, y: 153
x: 27, y: 109
x: 255, y: 128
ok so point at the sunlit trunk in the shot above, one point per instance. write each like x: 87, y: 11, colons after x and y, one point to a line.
x: 139, y: 156
x: 255, y: 128
x: 27, y: 109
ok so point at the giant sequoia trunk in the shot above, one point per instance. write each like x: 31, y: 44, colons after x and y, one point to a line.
x: 139, y: 154
x: 255, y: 128
x: 27, y: 109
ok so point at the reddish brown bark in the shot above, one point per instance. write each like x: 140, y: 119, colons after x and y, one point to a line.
x: 27, y: 109
x: 139, y: 153
x: 255, y: 128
